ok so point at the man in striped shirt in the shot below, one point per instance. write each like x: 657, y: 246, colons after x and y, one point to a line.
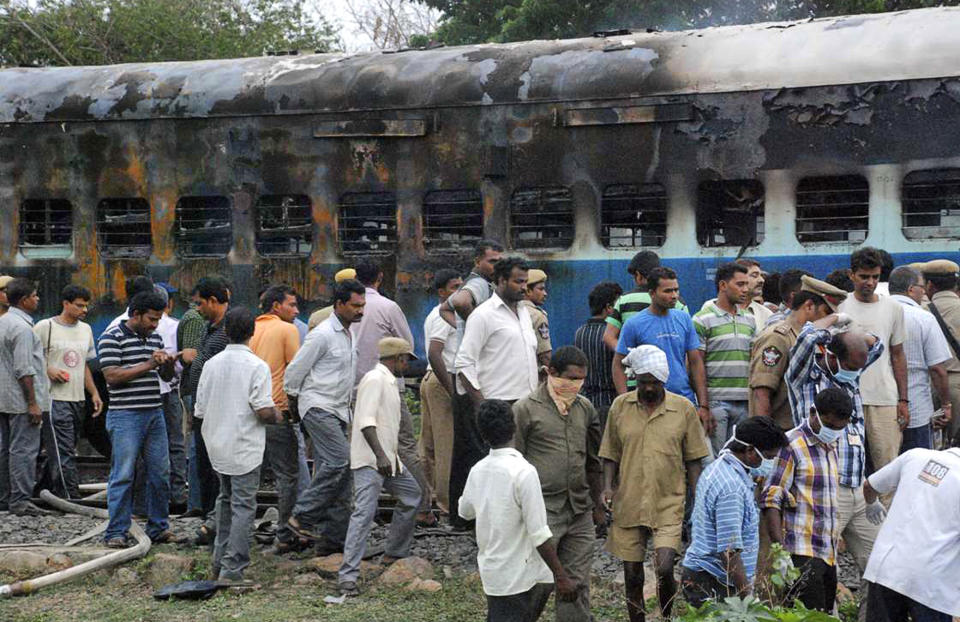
x: 726, y: 332
x: 133, y: 362
x: 722, y: 557
x: 800, y: 499
x: 632, y: 303
x: 599, y: 387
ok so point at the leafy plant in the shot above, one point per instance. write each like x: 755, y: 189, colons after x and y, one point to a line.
x: 750, y: 609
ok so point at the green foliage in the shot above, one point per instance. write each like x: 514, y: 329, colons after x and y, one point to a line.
x: 476, y: 21
x: 783, y: 574
x: 750, y: 609
x: 95, y: 32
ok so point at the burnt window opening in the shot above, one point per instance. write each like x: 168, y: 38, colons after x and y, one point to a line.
x: 204, y: 226
x: 46, y: 225
x: 123, y: 227
x: 368, y: 222
x: 541, y: 218
x: 452, y: 219
x: 633, y: 215
x: 833, y: 209
x: 730, y: 213
x: 931, y: 204
x: 284, y: 225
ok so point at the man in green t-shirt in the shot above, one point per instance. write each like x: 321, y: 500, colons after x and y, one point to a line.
x: 634, y: 302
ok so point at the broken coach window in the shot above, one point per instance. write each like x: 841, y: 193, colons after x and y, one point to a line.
x: 452, y: 219
x: 633, y: 215
x: 931, y: 204
x: 46, y: 227
x: 204, y: 226
x: 284, y: 225
x: 833, y: 209
x: 368, y: 222
x: 123, y: 227
x: 730, y: 213
x: 541, y: 218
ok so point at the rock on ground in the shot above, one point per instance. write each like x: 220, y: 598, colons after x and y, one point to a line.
x: 165, y: 569
x: 23, y: 564
x: 329, y: 566
x: 420, y: 585
x: 405, y: 570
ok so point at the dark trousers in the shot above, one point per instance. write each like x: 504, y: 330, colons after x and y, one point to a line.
x: 468, y: 449
x: 525, y: 607
x: 59, y: 440
x: 917, y: 437
x: 886, y: 605
x: 817, y: 586
x: 281, y: 455
x: 699, y: 586
x: 209, y: 481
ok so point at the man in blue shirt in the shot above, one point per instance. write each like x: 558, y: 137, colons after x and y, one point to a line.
x: 672, y: 331
x: 722, y: 557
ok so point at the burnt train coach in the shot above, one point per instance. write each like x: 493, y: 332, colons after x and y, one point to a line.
x: 792, y: 142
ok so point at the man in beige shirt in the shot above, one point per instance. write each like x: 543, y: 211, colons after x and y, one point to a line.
x: 942, y: 281
x: 652, y: 445
x: 376, y: 464
x: 883, y: 386
x: 536, y: 295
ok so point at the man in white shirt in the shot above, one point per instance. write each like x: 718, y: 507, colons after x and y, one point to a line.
x: 436, y: 391
x: 916, y: 559
x: 319, y: 386
x: 926, y: 350
x: 235, y: 403
x: 376, y: 464
x: 503, y: 495
x: 67, y: 345
x: 497, y: 358
x: 883, y: 386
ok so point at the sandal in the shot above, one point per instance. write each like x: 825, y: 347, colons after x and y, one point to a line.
x: 205, y: 536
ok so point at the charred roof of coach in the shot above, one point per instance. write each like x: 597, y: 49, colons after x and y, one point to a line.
x: 830, y: 51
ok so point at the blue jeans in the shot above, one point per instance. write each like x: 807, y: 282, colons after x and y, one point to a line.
x: 132, y: 433
x: 726, y: 414
x: 917, y: 437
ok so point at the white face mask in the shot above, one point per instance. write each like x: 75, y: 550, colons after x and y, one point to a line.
x: 828, y: 436
x: 765, y: 469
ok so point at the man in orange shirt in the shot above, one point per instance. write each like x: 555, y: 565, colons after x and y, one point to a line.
x: 276, y: 341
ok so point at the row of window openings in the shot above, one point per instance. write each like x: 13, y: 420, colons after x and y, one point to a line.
x: 729, y: 213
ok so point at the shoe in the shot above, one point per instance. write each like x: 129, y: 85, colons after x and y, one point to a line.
x: 178, y: 507
x: 349, y: 588
x: 301, y: 531
x: 167, y: 537
x: 427, y: 519
x: 205, y: 536
x: 282, y: 548
x: 119, y: 542
x: 194, y: 513
x: 29, y: 509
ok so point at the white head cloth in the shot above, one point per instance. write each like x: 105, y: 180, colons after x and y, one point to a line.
x: 647, y: 360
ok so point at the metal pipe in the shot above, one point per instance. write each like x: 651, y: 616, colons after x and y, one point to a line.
x: 22, y: 588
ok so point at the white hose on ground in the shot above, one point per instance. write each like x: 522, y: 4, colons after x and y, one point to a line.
x: 22, y: 588
x: 93, y: 487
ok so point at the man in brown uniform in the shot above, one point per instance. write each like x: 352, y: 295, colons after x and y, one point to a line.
x: 653, y: 445
x: 942, y: 282
x: 536, y: 295
x: 770, y: 355
x: 558, y: 432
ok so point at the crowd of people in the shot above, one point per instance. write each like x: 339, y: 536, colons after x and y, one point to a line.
x: 797, y: 415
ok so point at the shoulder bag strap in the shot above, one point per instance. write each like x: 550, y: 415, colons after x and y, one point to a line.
x: 946, y: 330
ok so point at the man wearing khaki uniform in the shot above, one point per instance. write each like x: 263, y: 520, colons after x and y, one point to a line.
x: 770, y: 355
x: 558, y: 432
x: 653, y: 445
x: 942, y: 280
x: 536, y: 295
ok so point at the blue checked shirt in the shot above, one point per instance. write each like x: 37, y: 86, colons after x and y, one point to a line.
x: 725, y: 518
x: 805, y: 378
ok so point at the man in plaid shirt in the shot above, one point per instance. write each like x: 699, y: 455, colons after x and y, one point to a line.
x: 800, y: 502
x: 830, y: 354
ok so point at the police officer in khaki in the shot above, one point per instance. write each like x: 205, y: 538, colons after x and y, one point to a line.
x: 943, y: 278
x: 536, y: 295
x: 770, y: 355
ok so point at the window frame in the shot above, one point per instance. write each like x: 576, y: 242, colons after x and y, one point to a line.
x: 840, y: 229
x: 383, y: 247
x: 941, y: 231
x: 184, y: 237
x: 463, y: 242
x: 50, y: 249
x: 636, y: 231
x: 288, y: 232
x: 516, y: 242
x: 112, y: 250
x: 759, y: 223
